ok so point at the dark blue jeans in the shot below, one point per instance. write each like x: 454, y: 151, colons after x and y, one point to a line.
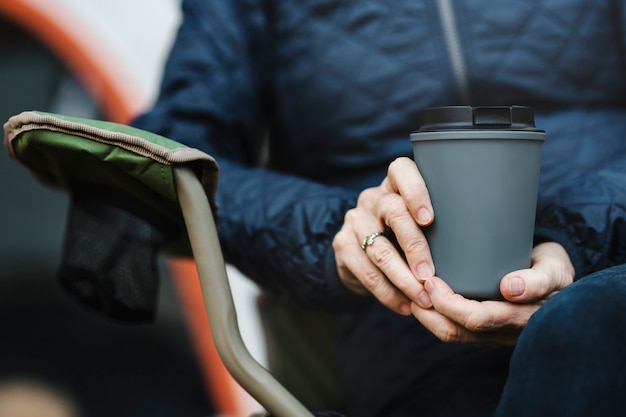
x: 569, y: 361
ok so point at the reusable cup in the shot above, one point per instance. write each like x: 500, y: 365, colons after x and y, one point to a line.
x: 481, y: 167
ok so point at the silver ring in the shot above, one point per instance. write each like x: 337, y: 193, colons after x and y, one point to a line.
x: 369, y: 240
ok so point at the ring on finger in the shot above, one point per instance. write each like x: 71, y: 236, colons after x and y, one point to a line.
x: 369, y: 240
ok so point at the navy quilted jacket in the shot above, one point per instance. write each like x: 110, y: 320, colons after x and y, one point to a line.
x: 305, y: 103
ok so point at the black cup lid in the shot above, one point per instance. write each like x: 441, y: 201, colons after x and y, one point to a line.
x: 469, y: 118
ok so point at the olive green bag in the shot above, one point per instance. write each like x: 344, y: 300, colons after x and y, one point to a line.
x: 124, y: 207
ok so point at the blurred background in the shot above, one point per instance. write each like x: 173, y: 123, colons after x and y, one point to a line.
x: 94, y: 59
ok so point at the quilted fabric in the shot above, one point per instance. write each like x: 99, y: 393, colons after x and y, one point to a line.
x: 337, y: 86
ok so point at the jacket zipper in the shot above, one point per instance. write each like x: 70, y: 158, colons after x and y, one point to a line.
x: 448, y: 22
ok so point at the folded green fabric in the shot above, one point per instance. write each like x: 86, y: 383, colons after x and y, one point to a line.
x: 62, y: 151
x: 123, y: 210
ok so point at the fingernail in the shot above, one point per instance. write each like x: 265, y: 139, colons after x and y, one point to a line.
x: 423, y: 216
x: 517, y: 286
x: 428, y: 285
x: 423, y: 299
x: 424, y: 270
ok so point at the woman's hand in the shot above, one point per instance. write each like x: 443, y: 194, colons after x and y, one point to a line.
x: 454, y: 318
x: 401, y: 204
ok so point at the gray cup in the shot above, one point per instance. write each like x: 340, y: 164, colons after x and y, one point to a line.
x: 481, y: 166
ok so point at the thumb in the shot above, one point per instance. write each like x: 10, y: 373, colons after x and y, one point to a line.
x: 525, y: 285
x: 551, y: 271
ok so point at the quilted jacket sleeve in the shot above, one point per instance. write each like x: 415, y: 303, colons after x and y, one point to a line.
x: 275, y: 228
x: 582, y: 201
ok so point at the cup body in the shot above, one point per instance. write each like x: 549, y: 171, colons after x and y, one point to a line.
x: 483, y: 185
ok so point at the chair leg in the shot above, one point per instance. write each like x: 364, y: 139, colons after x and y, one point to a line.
x: 219, y: 304
x: 228, y: 397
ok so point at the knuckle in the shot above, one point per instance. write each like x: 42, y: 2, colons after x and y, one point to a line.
x: 395, y: 205
x: 386, y: 298
x: 341, y: 241
x: 382, y: 254
x: 350, y: 216
x: 392, y: 167
x: 395, y: 210
x: 374, y: 282
x: 370, y: 280
x: 396, y: 164
x: 338, y: 242
x: 415, y: 245
x: 448, y: 334
x: 366, y: 196
x: 538, y: 285
x: 478, y: 322
x: 545, y: 287
x: 344, y: 242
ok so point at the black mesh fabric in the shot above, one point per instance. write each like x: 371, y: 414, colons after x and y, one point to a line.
x: 110, y: 253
